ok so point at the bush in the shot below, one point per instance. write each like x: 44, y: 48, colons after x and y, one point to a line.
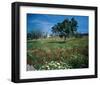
x: 34, y: 60
x: 78, y: 61
x: 77, y: 35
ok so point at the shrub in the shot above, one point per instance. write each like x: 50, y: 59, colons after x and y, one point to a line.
x: 78, y: 61
x: 34, y: 60
x: 77, y: 35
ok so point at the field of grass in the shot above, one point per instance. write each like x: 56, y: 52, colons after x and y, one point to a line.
x: 54, y: 54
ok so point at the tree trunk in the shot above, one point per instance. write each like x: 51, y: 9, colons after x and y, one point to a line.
x: 64, y: 38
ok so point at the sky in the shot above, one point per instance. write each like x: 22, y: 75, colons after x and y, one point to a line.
x: 44, y: 22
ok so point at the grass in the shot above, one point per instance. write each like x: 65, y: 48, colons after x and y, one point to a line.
x: 50, y: 54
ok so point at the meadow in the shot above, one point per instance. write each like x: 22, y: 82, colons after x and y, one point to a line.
x: 55, y: 53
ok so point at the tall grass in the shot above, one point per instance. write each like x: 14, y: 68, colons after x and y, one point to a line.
x: 48, y: 54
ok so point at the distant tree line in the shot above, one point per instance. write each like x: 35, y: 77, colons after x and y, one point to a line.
x: 36, y: 35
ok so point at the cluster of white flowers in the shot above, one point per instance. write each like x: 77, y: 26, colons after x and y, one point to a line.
x: 55, y: 65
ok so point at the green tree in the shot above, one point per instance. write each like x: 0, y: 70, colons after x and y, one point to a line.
x: 66, y: 28
x: 74, y: 25
x: 29, y: 36
x: 34, y: 35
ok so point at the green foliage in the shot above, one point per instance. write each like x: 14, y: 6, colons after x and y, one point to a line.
x: 66, y: 28
x: 77, y: 35
x: 36, y: 35
x: 78, y: 61
x: 50, y: 54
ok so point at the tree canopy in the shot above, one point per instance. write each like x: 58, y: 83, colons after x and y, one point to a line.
x: 65, y: 28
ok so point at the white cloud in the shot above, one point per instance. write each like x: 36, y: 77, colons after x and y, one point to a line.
x: 45, y: 25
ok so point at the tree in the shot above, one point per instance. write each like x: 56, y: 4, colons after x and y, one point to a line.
x: 36, y: 35
x: 66, y: 28
x: 29, y: 36
x: 74, y: 26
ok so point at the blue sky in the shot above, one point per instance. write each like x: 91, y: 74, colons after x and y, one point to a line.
x: 44, y: 22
